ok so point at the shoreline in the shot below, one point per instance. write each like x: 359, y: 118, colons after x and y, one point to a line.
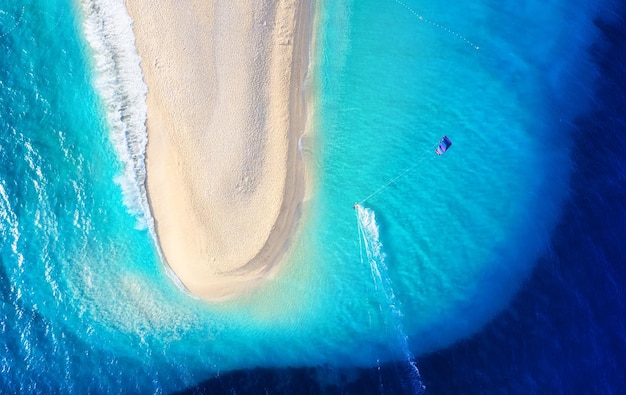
x: 173, y: 151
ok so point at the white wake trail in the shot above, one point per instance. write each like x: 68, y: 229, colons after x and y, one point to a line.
x: 369, y: 238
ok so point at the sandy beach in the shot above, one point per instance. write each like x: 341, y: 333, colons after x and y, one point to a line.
x: 225, y: 111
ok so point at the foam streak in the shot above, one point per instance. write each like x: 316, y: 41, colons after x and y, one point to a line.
x: 369, y: 237
x: 119, y: 80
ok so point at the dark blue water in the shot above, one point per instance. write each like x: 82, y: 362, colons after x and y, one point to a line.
x: 79, y: 314
x: 565, y: 331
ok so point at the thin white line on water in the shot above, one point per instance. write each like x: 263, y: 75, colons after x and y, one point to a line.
x: 437, y: 25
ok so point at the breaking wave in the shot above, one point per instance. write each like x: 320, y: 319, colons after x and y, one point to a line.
x: 119, y: 81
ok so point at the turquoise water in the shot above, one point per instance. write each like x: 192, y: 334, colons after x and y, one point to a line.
x: 87, y: 301
x: 460, y: 231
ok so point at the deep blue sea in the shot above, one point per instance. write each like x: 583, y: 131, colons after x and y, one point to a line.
x: 496, y: 268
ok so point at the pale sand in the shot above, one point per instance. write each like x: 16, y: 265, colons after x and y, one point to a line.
x: 225, y: 111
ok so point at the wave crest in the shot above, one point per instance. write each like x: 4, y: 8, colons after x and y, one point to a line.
x: 119, y: 81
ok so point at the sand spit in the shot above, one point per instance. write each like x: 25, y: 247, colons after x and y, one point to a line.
x: 225, y: 110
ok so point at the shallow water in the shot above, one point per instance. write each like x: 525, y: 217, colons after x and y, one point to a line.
x: 84, y: 289
x: 460, y: 231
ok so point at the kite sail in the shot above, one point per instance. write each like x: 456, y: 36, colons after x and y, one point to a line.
x: 440, y: 149
x: 443, y: 146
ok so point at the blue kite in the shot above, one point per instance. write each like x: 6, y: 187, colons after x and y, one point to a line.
x: 443, y: 146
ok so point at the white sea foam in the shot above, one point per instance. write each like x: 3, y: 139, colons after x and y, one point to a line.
x: 119, y: 80
x: 10, y: 218
x: 370, y: 238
